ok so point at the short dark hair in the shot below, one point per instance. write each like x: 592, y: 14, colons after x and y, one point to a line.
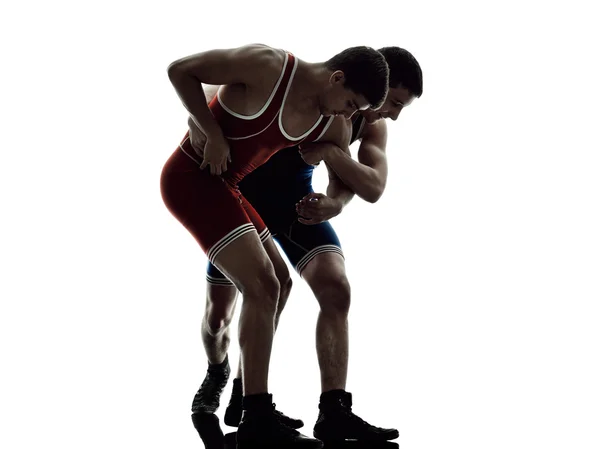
x: 366, y: 73
x: 404, y: 70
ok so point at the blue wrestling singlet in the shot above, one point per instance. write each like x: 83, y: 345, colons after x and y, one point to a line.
x: 273, y: 189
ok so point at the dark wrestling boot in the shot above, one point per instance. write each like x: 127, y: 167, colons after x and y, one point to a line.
x: 260, y: 428
x: 233, y: 413
x: 207, y: 398
x: 336, y: 422
x: 209, y: 429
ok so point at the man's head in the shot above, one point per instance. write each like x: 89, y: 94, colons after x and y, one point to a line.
x: 358, y: 80
x: 406, y: 84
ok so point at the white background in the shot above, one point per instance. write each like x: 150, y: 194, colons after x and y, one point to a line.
x: 475, y: 311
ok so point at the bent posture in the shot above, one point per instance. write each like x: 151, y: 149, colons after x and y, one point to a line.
x: 270, y: 100
x: 282, y: 193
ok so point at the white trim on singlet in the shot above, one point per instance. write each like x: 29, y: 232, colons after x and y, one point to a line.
x: 264, y: 236
x: 188, y: 154
x: 308, y: 257
x: 286, y: 135
x: 326, y: 128
x: 224, y: 282
x: 229, y: 238
x: 266, y: 105
x: 252, y: 135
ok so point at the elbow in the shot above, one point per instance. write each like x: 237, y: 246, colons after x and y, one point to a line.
x: 374, y: 194
x: 372, y: 197
x: 176, y: 71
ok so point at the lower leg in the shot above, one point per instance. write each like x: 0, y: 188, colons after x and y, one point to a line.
x: 257, y: 324
x: 216, y: 343
x: 220, y: 303
x: 284, y: 293
x: 218, y: 313
x: 332, y: 349
x: 233, y: 413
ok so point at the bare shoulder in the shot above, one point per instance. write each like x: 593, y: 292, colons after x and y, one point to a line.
x: 248, y: 64
x: 375, y: 130
x: 375, y: 133
x: 263, y: 53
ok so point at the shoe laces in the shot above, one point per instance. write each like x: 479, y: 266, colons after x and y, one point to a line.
x: 282, y: 428
x: 277, y: 412
x: 357, y: 420
x: 214, y: 383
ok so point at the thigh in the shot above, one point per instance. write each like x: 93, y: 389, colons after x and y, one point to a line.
x: 326, y: 276
x: 279, y: 265
x: 325, y: 269
x: 302, y: 243
x: 204, y: 204
x: 255, y: 219
x: 246, y: 263
x: 215, y: 277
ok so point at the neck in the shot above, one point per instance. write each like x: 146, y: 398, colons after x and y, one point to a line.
x: 308, y: 83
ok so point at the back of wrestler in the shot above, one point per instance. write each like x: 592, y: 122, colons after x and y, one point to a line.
x: 269, y: 100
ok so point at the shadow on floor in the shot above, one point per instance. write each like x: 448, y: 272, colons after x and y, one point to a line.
x: 209, y: 429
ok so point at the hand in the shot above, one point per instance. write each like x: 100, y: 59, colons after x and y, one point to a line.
x: 214, y: 151
x: 313, y: 153
x: 316, y: 208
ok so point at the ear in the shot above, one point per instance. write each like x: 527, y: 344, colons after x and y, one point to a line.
x: 337, y: 77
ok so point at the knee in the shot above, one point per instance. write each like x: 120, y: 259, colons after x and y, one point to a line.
x: 219, y: 309
x: 285, y: 288
x: 217, y: 321
x: 263, y: 289
x: 334, y: 296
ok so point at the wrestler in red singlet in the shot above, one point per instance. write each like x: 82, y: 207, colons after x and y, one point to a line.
x: 211, y: 207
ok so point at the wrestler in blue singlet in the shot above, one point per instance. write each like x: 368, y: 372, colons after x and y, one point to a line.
x: 273, y: 189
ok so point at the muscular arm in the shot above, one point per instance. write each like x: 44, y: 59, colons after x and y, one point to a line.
x: 338, y: 194
x: 337, y: 190
x: 339, y: 134
x: 217, y: 67
x: 367, y: 177
x: 210, y: 91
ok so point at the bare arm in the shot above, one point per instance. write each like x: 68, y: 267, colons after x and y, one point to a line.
x: 367, y: 177
x: 217, y: 67
x: 338, y: 134
x: 210, y: 91
x: 337, y: 190
x: 316, y: 207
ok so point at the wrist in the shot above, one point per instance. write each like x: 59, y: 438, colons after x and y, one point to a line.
x: 214, y: 133
x: 329, y: 152
x: 339, y: 204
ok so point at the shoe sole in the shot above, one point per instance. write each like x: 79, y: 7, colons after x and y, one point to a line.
x: 229, y: 421
x: 382, y: 439
x: 353, y: 444
x: 280, y: 445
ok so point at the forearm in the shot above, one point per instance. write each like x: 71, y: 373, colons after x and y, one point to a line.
x: 361, y: 179
x: 338, y: 191
x: 194, y: 99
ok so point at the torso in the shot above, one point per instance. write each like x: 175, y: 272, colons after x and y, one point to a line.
x: 253, y: 120
x: 275, y: 187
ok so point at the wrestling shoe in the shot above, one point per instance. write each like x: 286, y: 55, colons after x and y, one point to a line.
x: 336, y: 422
x: 260, y: 428
x: 233, y: 413
x: 207, y: 398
